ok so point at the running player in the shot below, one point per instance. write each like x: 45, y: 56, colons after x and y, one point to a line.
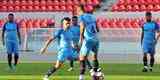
x: 64, y: 36
x: 75, y: 29
x: 148, y: 40
x: 11, y: 39
x: 88, y: 39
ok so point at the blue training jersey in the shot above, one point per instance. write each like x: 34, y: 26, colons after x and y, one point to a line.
x: 11, y: 31
x: 64, y: 38
x: 75, y: 29
x: 149, y: 30
x: 90, y: 30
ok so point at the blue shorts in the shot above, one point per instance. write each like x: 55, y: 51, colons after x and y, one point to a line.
x: 66, y: 53
x: 89, y: 45
x: 148, y: 48
x: 12, y: 47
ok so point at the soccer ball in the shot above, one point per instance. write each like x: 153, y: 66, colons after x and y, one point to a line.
x: 97, y: 75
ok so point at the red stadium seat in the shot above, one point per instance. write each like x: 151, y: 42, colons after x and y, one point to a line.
x: 157, y: 7
x: 62, y: 2
x: 50, y: 22
x: 11, y: 3
x: 17, y: 3
x: 63, y: 8
x: 122, y: 8
x: 50, y: 8
x: 4, y: 3
x: 43, y: 8
x: 43, y: 2
x: 49, y: 3
x: 30, y: 8
x: 1, y: 23
x: 115, y: 8
x: 36, y: 8
x: 89, y: 2
x: 143, y: 8
x: 76, y: 2
x: 138, y: 5
x: 150, y: 8
x: 23, y: 3
x: 129, y: 7
x: 36, y: 23
x: 136, y: 8
x: 4, y: 8
x: 69, y: 8
x: 96, y: 2
x: 82, y: 2
x: 10, y: 8
x: 17, y: 8
x: 43, y: 23
x: 30, y: 3
x: 36, y: 2
x: 56, y: 2
x: 29, y: 23
x: 56, y: 8
x: 142, y: 1
x: 23, y: 8
x: 69, y: 2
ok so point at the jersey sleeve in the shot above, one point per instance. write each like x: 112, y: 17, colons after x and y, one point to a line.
x: 4, y: 27
x: 81, y: 19
x: 57, y: 33
x: 157, y: 27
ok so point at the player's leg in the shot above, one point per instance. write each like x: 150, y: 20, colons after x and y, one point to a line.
x: 88, y: 64
x: 9, y: 53
x: 60, y: 61
x: 146, y: 50
x: 16, y: 53
x: 74, y: 58
x: 145, y: 62
x: 152, y: 59
x: 53, y: 69
x: 82, y: 67
x: 82, y: 57
x: 95, y: 56
x: 71, y: 63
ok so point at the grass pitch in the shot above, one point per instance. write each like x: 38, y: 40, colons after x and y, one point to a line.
x: 35, y: 71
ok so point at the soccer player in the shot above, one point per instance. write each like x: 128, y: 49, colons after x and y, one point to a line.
x: 88, y: 39
x: 11, y: 39
x: 75, y: 29
x: 64, y: 37
x: 149, y: 38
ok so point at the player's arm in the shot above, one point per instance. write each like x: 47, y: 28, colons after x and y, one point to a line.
x: 81, y: 33
x: 18, y: 33
x: 3, y: 33
x: 158, y: 32
x: 142, y: 35
x: 47, y: 44
x: 97, y: 27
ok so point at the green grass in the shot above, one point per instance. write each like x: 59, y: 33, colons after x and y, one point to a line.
x: 35, y: 71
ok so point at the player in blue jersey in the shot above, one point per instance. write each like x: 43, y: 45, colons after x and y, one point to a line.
x: 88, y: 40
x: 11, y: 39
x: 75, y: 29
x: 64, y: 37
x: 149, y: 38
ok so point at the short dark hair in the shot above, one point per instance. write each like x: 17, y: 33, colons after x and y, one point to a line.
x: 148, y: 14
x: 65, y: 18
x: 74, y: 17
x: 10, y: 14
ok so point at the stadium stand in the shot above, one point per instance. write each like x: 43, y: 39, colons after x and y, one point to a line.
x: 43, y: 5
x: 32, y: 23
x: 136, y: 5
